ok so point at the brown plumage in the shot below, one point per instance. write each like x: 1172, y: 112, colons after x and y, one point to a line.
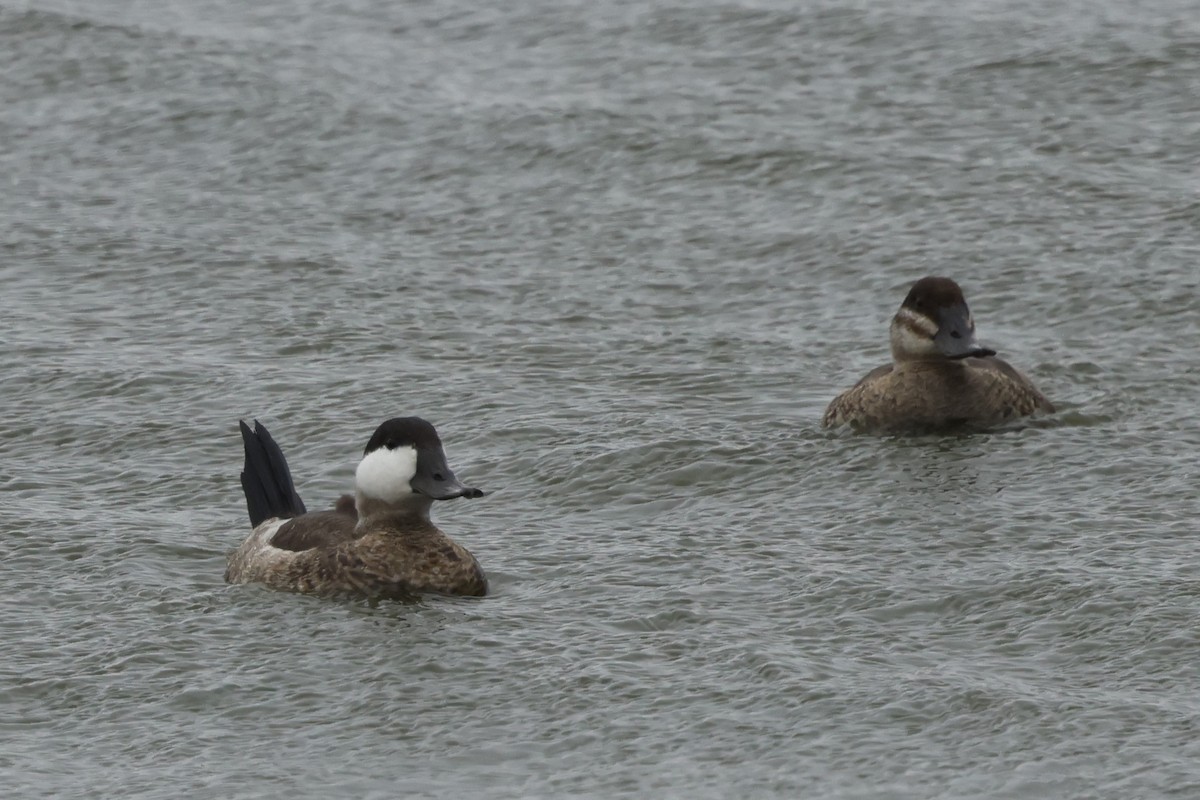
x: 394, y: 556
x: 940, y: 377
x: 378, y: 543
x: 318, y: 529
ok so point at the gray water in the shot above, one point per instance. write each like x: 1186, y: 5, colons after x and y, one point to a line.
x: 622, y: 255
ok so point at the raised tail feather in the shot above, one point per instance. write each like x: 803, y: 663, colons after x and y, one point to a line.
x: 266, y: 479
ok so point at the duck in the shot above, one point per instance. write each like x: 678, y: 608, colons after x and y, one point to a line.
x: 940, y: 377
x: 378, y: 543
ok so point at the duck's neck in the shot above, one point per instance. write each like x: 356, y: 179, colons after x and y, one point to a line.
x: 414, y: 505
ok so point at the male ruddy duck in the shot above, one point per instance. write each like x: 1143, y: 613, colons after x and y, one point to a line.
x: 941, y: 377
x: 378, y: 544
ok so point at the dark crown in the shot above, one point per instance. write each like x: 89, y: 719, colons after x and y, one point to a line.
x: 928, y: 295
x: 403, y: 432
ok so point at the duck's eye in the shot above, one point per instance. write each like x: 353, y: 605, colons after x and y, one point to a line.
x: 437, y: 476
x: 955, y: 334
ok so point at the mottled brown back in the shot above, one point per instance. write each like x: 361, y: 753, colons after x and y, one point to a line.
x: 392, y: 556
x: 932, y: 395
x: 396, y: 562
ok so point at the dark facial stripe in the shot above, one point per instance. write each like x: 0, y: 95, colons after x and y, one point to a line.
x: 917, y: 323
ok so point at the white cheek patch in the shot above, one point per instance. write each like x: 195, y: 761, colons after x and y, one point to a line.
x: 384, y: 474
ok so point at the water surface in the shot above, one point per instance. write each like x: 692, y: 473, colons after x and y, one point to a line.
x: 621, y: 255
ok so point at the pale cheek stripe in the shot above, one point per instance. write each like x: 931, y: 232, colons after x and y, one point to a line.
x: 917, y: 323
x: 909, y: 343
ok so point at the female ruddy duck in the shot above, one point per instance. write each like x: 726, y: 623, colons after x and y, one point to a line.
x: 382, y: 545
x: 941, y: 377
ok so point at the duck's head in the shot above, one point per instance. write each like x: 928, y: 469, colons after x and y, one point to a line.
x: 934, y: 323
x: 404, y: 464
